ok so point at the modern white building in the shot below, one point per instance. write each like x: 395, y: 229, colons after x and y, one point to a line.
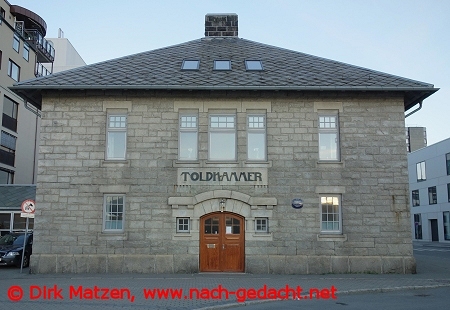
x: 429, y: 185
x: 67, y: 57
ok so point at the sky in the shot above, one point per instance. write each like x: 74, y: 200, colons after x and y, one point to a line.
x: 408, y: 38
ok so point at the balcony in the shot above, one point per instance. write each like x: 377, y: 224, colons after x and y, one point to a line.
x: 46, y: 52
x: 40, y: 70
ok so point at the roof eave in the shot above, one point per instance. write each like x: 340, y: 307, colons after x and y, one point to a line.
x: 32, y: 93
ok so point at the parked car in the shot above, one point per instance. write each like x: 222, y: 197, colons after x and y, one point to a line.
x: 11, y: 248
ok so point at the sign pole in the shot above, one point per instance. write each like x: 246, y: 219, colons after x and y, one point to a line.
x: 24, y: 245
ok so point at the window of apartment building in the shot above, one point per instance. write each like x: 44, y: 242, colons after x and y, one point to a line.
x: 262, y: 225
x: 446, y: 225
x: 415, y: 198
x: 328, y: 137
x: 2, y: 14
x: 417, y: 226
x: 116, y: 139
x: 256, y: 137
x: 420, y: 168
x: 188, y: 137
x: 7, y: 149
x: 222, y: 137
x: 183, y: 225
x: 432, y: 195
x: 13, y: 70
x: 16, y: 43
x: 26, y: 52
x: 9, y: 118
x: 6, y: 176
x: 448, y: 192
x: 331, y: 219
x: 113, y: 212
x: 447, y: 160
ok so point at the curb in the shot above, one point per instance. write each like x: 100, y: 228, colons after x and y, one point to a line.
x: 348, y: 292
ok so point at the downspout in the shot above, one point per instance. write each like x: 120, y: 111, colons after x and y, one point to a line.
x: 420, y: 107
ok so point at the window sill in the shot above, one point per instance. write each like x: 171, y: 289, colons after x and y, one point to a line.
x: 331, y: 237
x: 112, y: 235
x: 330, y: 163
x: 255, y: 236
x: 186, y: 163
x: 258, y: 163
x: 115, y: 163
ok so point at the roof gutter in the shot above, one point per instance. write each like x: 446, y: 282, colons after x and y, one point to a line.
x: 420, y: 107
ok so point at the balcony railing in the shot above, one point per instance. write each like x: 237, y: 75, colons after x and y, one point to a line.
x: 40, y: 70
x: 9, y: 122
x: 36, y: 39
x: 7, y: 158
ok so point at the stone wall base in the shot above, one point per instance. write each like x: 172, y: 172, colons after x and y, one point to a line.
x: 257, y: 264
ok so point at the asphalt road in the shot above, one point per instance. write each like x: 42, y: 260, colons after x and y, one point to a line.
x: 438, y: 298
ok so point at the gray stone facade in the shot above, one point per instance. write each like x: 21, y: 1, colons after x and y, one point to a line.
x: 371, y: 179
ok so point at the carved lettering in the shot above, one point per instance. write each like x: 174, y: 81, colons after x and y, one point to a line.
x: 241, y: 175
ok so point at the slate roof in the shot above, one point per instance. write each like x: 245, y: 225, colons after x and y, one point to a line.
x: 12, y: 196
x: 283, y: 70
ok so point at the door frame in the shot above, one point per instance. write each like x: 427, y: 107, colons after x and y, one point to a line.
x: 223, y: 243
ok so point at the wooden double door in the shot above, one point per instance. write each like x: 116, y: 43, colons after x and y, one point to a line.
x: 222, y: 242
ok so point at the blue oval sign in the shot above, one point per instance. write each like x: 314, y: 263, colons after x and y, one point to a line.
x: 297, y: 203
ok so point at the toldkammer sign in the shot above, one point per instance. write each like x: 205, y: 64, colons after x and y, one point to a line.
x: 222, y: 176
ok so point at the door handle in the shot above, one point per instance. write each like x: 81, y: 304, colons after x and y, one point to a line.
x: 223, y: 246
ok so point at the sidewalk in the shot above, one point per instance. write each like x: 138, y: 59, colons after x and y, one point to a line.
x: 221, y: 282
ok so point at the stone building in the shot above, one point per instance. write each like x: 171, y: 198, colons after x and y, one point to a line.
x: 223, y: 154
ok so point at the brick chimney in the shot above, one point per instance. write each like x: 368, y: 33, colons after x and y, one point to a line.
x: 221, y: 25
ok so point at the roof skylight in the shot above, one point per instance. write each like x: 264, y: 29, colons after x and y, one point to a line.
x: 253, y: 65
x: 222, y: 64
x: 190, y: 64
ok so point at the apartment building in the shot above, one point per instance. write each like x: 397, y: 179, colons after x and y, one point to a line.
x: 24, y: 54
x: 429, y: 185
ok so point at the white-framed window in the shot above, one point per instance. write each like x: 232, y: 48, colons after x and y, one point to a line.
x: 16, y: 43
x: 262, y: 224
x: 116, y: 140
x: 222, y: 137
x: 113, y: 212
x: 13, y: 70
x: 420, y: 168
x: 188, y: 137
x: 329, y: 137
x: 331, y: 214
x: 183, y: 225
x: 256, y: 137
x: 26, y: 52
